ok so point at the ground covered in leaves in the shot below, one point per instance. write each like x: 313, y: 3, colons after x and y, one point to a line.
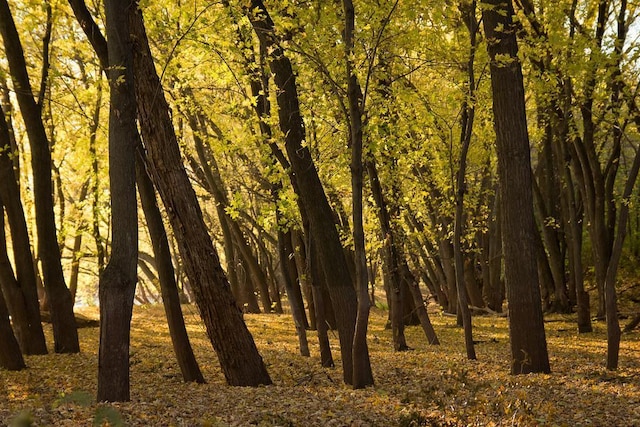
x: 429, y: 385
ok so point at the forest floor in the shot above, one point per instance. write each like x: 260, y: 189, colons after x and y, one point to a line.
x: 429, y: 385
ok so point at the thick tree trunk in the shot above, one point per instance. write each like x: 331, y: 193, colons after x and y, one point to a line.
x: 526, y: 326
x: 118, y: 281
x: 64, y: 326
x: 168, y: 286
x: 237, y: 353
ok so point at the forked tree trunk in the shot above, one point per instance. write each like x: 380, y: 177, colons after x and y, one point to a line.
x: 526, y: 326
x: 65, y: 333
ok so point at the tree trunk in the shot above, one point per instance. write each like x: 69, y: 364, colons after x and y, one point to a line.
x: 64, y: 325
x: 310, y: 190
x: 326, y: 358
x: 168, y: 286
x: 10, y: 356
x: 237, y: 353
x: 362, y: 375
x: 22, y: 295
x: 118, y: 281
x: 526, y: 326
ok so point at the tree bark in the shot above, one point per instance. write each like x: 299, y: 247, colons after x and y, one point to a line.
x: 21, y: 294
x: 237, y: 353
x: 118, y: 281
x: 526, y: 326
x: 10, y: 356
x: 64, y: 325
x: 166, y: 275
x: 310, y: 190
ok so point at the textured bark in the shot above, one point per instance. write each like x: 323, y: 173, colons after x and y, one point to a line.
x: 65, y: 333
x: 21, y: 293
x: 166, y: 276
x: 10, y: 356
x: 526, y: 326
x: 310, y: 189
x: 118, y: 281
x: 237, y: 353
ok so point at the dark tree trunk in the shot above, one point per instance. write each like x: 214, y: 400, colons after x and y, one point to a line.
x: 468, y: 115
x: 310, y: 190
x: 22, y: 295
x: 317, y: 276
x: 391, y: 259
x: 10, y: 356
x: 64, y: 326
x: 118, y: 281
x: 526, y: 326
x: 168, y: 286
x: 362, y: 375
x: 237, y: 353
x: 303, y: 274
x: 76, y: 255
x: 297, y: 308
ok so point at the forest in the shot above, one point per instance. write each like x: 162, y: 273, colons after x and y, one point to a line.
x: 348, y: 213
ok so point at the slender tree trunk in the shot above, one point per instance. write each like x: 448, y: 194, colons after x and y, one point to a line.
x: 22, y: 298
x: 468, y: 114
x: 297, y: 309
x: 326, y: 358
x: 77, y: 245
x: 310, y: 190
x: 526, y: 326
x: 168, y: 286
x: 64, y: 326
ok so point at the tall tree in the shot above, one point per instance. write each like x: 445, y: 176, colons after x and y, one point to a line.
x: 118, y: 281
x: 64, y: 326
x: 237, y: 353
x: 526, y: 326
x: 362, y: 375
x: 310, y: 190
x: 21, y: 294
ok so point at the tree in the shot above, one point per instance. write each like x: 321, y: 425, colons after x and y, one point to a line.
x: 20, y: 292
x: 362, y: 375
x: 64, y: 326
x: 526, y: 327
x: 310, y: 189
x: 10, y: 356
x: 118, y: 281
x: 237, y: 354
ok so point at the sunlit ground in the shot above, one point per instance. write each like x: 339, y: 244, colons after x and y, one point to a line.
x: 429, y: 385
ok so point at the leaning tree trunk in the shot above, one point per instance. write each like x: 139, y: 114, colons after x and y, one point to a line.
x: 526, y: 326
x: 23, y: 301
x: 65, y: 333
x: 237, y: 353
x: 166, y: 275
x: 310, y: 189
